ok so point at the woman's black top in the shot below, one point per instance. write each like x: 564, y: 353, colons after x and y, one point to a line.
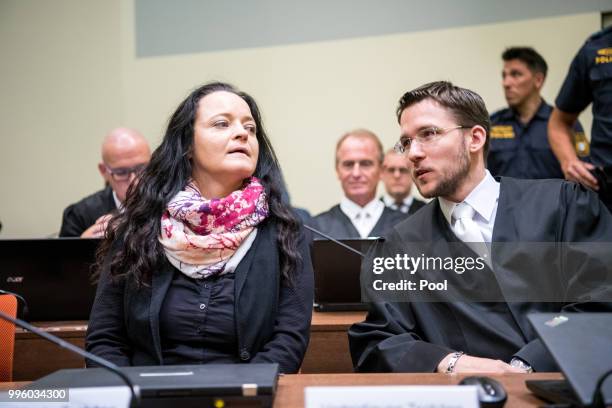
x: 196, y: 321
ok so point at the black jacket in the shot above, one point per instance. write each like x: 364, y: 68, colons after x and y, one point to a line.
x: 415, y: 336
x: 82, y: 215
x: 272, y: 319
x: 335, y: 223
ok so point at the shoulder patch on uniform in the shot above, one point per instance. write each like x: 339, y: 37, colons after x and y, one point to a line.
x: 502, y: 132
x: 604, y: 56
x: 604, y: 51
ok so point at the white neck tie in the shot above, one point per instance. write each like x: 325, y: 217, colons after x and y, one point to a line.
x: 402, y: 207
x: 468, y: 231
x: 362, y: 223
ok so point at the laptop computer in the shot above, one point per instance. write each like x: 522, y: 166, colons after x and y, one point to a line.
x: 336, y: 274
x: 185, y: 386
x: 52, y: 275
x: 581, y: 344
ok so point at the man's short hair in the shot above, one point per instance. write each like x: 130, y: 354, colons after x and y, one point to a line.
x: 361, y: 134
x: 530, y: 57
x: 467, y: 106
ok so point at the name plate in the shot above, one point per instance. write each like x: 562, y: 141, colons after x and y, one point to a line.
x: 392, y: 396
x: 78, y: 397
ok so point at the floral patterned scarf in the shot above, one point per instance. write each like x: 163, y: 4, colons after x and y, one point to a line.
x: 200, y: 235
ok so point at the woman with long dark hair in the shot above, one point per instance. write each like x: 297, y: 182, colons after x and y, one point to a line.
x: 207, y: 263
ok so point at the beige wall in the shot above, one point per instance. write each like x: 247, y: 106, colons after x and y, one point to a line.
x: 309, y: 94
x: 61, y: 89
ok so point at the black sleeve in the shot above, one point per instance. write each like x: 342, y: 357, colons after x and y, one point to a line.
x: 389, y: 341
x: 585, y: 240
x: 575, y: 94
x: 106, y: 332
x: 73, y: 223
x: 291, y: 332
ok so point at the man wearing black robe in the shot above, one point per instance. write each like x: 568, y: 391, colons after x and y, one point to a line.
x: 545, y: 239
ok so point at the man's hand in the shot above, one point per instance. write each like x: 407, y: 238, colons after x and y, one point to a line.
x: 560, y: 139
x: 98, y: 229
x: 469, y: 364
x: 579, y: 171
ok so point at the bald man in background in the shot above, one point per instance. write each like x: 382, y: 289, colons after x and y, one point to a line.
x: 125, y: 154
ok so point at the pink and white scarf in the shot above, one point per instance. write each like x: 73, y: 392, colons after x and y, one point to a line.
x: 200, y: 235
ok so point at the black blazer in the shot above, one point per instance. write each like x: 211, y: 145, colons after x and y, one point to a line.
x: 82, y: 215
x: 414, y: 337
x: 272, y: 318
x: 414, y: 207
x: 335, y: 223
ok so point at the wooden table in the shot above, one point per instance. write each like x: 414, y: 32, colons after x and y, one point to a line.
x: 35, y: 357
x: 328, y: 351
x: 290, y: 391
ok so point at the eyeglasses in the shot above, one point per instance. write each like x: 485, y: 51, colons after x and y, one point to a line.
x: 349, y: 164
x: 124, y: 173
x: 423, y: 136
x: 402, y: 170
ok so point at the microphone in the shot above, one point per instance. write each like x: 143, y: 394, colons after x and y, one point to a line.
x: 135, y: 390
x: 334, y: 240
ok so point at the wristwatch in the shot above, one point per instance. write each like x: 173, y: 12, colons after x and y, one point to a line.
x: 518, y: 363
x: 453, y: 361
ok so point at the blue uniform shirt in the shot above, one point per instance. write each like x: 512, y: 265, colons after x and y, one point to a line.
x: 522, y: 151
x: 590, y: 80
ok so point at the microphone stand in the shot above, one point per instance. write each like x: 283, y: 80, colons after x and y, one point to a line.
x: 334, y: 240
x: 134, y: 389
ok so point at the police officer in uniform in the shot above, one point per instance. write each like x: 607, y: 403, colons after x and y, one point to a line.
x: 519, y: 141
x: 589, y: 80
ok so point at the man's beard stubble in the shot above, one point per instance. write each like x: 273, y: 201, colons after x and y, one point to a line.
x: 454, y: 178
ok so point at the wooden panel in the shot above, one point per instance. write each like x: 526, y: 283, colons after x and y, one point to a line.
x: 36, y: 357
x: 328, y: 351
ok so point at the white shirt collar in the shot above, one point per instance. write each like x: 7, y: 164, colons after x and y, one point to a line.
x: 118, y: 203
x: 364, y: 218
x: 483, y: 199
x: 390, y: 201
x: 352, y: 209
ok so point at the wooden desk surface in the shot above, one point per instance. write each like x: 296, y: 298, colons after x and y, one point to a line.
x: 290, y: 391
x: 62, y: 329
x: 335, y: 321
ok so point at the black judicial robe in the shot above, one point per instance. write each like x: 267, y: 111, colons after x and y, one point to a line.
x: 415, y: 337
x: 82, y: 215
x: 335, y: 223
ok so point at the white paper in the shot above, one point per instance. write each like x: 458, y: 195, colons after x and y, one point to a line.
x: 392, y: 396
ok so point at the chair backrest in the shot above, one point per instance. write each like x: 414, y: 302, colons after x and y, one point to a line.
x: 8, y: 305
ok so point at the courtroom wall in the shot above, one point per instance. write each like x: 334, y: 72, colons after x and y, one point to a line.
x: 73, y: 69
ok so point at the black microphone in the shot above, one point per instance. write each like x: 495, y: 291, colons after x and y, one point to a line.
x: 135, y: 390
x: 24, y: 311
x: 332, y: 239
